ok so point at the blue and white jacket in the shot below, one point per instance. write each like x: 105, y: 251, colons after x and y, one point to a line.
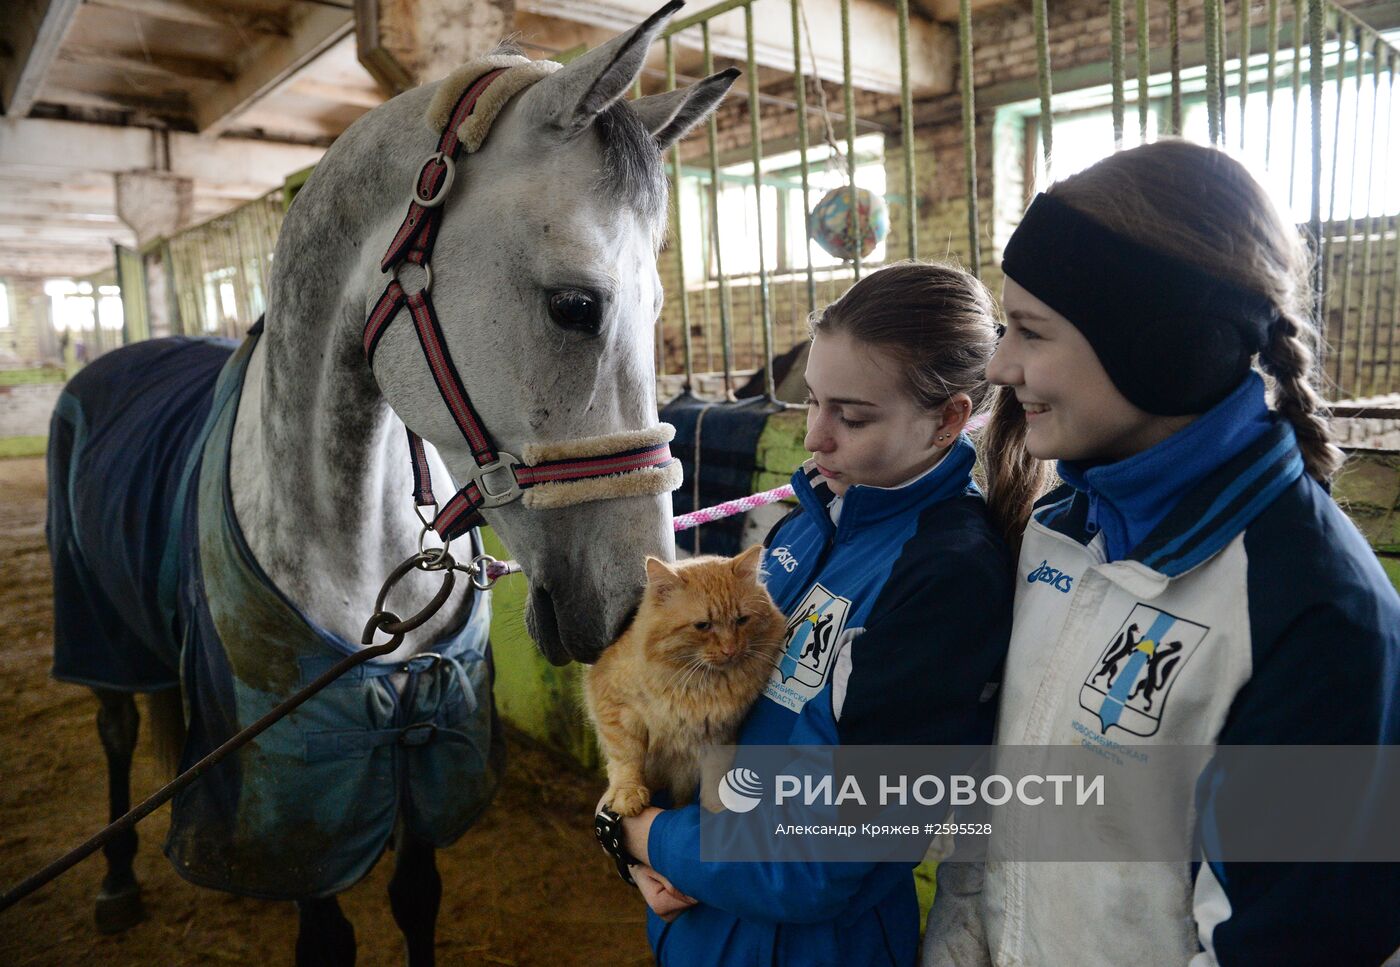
x: 882, y: 648
x: 1274, y: 624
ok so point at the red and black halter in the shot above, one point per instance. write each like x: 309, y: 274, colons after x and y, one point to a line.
x: 414, y: 243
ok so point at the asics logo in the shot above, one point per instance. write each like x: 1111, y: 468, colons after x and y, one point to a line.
x: 1046, y: 574
x: 785, y: 558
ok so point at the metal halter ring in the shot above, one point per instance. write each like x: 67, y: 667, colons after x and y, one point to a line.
x: 432, y: 558
x: 440, y: 195
x: 427, y: 281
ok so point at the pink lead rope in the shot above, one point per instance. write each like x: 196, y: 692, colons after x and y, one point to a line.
x: 706, y: 515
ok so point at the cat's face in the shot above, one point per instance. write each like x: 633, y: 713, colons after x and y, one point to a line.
x: 711, y: 613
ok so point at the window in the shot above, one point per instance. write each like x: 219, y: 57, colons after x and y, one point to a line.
x: 1279, y: 156
x: 79, y: 307
x: 4, y: 306
x: 784, y: 222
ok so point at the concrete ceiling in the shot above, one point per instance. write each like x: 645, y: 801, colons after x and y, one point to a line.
x: 237, y: 94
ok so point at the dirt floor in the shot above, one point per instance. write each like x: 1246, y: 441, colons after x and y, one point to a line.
x: 527, y: 885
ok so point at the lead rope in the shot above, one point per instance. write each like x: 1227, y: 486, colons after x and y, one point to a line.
x: 436, y: 559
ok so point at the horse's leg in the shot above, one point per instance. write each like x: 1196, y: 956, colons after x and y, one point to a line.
x: 415, y: 892
x: 324, y: 937
x: 119, y: 902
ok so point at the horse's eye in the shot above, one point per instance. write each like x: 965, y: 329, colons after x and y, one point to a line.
x: 574, y: 309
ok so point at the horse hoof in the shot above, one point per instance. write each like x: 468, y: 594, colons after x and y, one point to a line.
x: 119, y: 910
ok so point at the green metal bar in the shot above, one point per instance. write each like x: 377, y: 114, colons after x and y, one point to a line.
x: 1299, y: 26
x: 1316, y: 27
x: 1174, y: 21
x: 1042, y: 76
x: 969, y: 113
x: 1212, y: 27
x: 1351, y: 221
x: 1244, y: 67
x: 906, y: 116
x: 1115, y: 43
x: 726, y: 343
x: 1270, y: 80
x: 1221, y: 56
x: 854, y: 228
x: 756, y: 147
x: 1395, y: 224
x: 799, y: 83
x: 1328, y: 241
x: 1376, y: 50
x: 677, y: 238
x: 1144, y: 66
x: 706, y: 240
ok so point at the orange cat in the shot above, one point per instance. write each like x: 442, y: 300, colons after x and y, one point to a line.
x: 682, y: 676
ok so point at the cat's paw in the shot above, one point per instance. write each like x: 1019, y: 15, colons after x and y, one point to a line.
x: 628, y: 800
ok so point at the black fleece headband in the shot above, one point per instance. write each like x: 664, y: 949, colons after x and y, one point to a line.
x: 1174, y: 339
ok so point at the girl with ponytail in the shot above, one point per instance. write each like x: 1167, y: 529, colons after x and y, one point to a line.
x: 1208, y: 590
x: 897, y: 584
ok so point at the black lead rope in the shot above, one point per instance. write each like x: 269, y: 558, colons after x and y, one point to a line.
x: 436, y: 559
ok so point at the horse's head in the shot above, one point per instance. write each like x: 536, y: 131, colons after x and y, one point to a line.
x: 545, y: 284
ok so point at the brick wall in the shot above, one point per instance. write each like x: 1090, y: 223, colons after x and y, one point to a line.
x: 29, y: 338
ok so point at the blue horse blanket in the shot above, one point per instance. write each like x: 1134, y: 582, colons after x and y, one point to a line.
x: 154, y: 587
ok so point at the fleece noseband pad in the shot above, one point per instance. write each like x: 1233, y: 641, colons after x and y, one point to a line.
x: 1173, y: 339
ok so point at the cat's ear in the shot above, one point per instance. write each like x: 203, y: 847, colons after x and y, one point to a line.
x: 662, y: 579
x: 746, y: 564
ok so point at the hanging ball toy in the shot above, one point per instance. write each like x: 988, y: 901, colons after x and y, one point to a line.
x: 836, y: 231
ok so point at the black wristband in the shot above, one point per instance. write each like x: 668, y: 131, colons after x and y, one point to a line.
x: 607, y: 828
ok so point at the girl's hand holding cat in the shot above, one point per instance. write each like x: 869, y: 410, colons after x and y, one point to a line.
x: 664, y: 899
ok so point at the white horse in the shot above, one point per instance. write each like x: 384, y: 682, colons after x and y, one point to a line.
x: 545, y: 283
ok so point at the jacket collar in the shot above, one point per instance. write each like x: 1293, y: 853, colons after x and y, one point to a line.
x: 867, y: 506
x: 1129, y: 498
x: 1211, y: 514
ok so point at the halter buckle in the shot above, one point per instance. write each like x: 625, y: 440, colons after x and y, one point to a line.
x: 440, y: 196
x: 506, y: 463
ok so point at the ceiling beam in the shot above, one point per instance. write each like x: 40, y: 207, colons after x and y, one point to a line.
x: 175, y: 106
x: 272, y: 62
x: 44, y: 146
x: 34, y: 30
x: 336, y: 93
x: 874, y: 32
x: 26, y: 260
x: 150, y: 65
x: 193, y: 13
x: 67, y: 233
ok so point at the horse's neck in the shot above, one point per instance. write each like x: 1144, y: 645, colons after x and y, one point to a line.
x: 319, y: 470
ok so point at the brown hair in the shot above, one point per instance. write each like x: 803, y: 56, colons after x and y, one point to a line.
x: 941, y: 324
x: 1200, y: 205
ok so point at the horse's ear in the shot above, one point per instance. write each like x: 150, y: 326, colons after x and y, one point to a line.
x: 569, y: 99
x: 669, y: 116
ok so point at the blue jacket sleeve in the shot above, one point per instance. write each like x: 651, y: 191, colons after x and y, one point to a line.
x: 1326, y: 672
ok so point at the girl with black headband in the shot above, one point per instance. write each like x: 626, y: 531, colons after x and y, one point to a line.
x: 1208, y: 590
